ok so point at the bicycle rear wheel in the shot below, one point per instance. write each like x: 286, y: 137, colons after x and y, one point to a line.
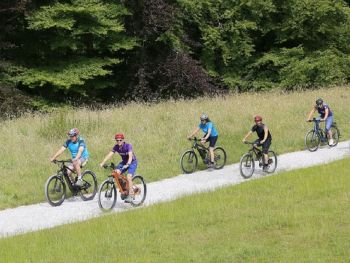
x: 55, y: 190
x: 219, y: 157
x: 312, y: 141
x: 140, y: 190
x: 189, y: 161
x: 272, y: 162
x: 247, y: 165
x: 335, y: 135
x: 89, y: 188
x: 107, y: 195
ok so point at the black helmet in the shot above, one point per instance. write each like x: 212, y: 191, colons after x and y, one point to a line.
x: 319, y: 102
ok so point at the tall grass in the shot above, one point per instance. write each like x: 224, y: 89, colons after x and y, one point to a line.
x: 158, y: 133
x: 299, y: 216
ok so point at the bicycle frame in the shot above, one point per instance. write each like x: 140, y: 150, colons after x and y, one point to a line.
x: 320, y: 131
x: 199, y: 147
x: 118, y: 178
x: 64, y: 171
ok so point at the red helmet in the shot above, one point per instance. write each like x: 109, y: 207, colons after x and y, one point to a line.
x: 119, y: 136
x: 257, y: 118
x: 73, y: 132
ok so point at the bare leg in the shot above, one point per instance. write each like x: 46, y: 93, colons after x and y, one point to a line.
x: 131, y: 190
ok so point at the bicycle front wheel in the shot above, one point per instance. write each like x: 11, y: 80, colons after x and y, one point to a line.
x: 335, y: 135
x: 219, y: 157
x: 55, y: 190
x: 107, y: 195
x: 140, y: 190
x: 189, y: 162
x: 247, y: 165
x: 312, y: 141
x: 272, y: 162
x: 89, y: 188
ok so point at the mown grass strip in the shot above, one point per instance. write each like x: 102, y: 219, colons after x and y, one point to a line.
x: 298, y: 216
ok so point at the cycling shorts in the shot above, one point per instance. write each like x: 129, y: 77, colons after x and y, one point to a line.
x: 265, y: 146
x: 131, y: 169
x: 212, y: 140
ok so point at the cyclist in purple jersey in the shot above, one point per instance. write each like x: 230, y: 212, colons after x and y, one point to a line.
x: 326, y: 115
x: 128, y: 163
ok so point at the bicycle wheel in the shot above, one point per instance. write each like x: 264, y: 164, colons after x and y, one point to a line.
x: 140, y: 190
x: 335, y: 135
x: 189, y: 162
x: 55, y: 190
x: 247, y: 165
x: 312, y: 141
x: 219, y: 157
x: 272, y: 162
x: 107, y: 195
x: 89, y: 188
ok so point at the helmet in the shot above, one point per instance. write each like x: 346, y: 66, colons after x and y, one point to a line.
x: 319, y: 101
x: 257, y: 118
x: 119, y: 136
x: 73, y: 132
x: 204, y: 117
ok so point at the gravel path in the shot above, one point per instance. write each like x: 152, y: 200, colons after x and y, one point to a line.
x: 40, y: 216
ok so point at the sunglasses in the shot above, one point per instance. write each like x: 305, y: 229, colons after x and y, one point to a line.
x: 119, y: 140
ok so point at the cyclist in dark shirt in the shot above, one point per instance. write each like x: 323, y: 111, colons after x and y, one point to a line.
x: 326, y: 115
x: 264, y: 140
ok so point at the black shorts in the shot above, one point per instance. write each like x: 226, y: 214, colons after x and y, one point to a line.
x: 265, y: 146
x: 212, y: 140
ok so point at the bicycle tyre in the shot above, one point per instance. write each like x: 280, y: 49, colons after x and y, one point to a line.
x: 107, y: 195
x: 335, y: 134
x: 89, y: 188
x: 272, y: 155
x: 312, y: 141
x: 219, y: 154
x: 189, y: 157
x: 58, y: 188
x: 247, y: 161
x: 140, y: 195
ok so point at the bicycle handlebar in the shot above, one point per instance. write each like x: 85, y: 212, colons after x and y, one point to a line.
x: 111, y: 165
x: 62, y: 161
x: 315, y: 120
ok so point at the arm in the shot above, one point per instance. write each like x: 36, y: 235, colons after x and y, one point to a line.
x: 326, y: 113
x: 193, y: 133
x: 130, y: 158
x: 208, y: 135
x: 311, y: 113
x: 80, y: 151
x: 266, y: 132
x: 58, y: 153
x: 108, y: 156
x: 248, y: 134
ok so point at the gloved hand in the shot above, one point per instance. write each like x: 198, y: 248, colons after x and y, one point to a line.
x: 125, y: 166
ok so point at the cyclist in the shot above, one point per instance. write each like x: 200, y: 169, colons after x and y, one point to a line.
x: 326, y: 115
x: 210, y: 135
x: 76, y: 145
x: 128, y: 163
x: 264, y: 140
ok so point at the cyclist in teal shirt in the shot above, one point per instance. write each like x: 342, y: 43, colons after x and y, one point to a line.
x: 210, y: 135
x: 76, y: 145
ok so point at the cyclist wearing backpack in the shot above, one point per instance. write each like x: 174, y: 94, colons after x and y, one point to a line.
x: 264, y: 140
x: 77, y: 147
x: 210, y: 135
x: 128, y: 163
x: 326, y: 115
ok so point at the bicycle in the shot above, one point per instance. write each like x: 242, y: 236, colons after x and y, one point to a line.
x: 247, y: 162
x: 317, y: 136
x: 56, y: 190
x: 189, y: 159
x: 107, y: 193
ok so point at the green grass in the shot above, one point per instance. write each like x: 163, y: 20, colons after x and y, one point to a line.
x: 298, y: 216
x: 158, y: 133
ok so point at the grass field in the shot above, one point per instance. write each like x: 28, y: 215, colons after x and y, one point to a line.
x: 298, y: 216
x: 158, y: 133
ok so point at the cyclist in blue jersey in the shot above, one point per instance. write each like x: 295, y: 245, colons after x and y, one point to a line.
x: 210, y: 135
x: 326, y: 115
x: 77, y: 147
